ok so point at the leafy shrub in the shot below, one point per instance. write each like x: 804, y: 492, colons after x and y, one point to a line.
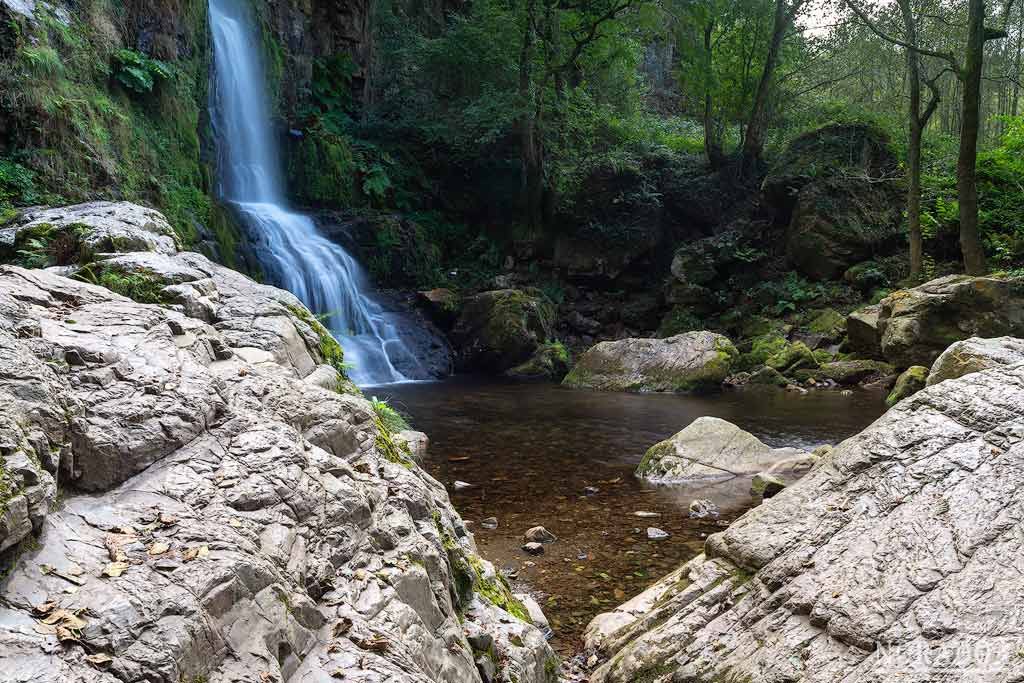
x: 138, y: 72
x: 392, y: 420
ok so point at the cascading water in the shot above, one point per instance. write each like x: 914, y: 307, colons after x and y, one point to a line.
x: 291, y: 250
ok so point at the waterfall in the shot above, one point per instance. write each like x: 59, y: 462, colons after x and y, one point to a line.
x: 292, y: 252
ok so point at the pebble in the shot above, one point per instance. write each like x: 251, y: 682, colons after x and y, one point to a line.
x: 461, y: 485
x: 591, y: 491
x: 534, y: 548
x: 490, y: 523
x: 702, y: 508
x: 656, y: 534
x: 539, y: 534
x: 645, y: 514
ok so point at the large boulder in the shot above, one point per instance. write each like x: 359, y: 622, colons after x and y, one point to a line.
x: 836, y: 188
x: 900, y: 552
x: 228, y: 514
x: 917, y: 325
x: 686, y: 362
x: 862, y: 331
x: 59, y: 236
x: 500, y: 329
x: 974, y: 355
x: 710, y: 448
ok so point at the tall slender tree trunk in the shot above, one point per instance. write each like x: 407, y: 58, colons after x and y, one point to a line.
x: 712, y: 144
x: 530, y: 151
x: 967, y: 176
x: 757, y: 127
x: 914, y: 145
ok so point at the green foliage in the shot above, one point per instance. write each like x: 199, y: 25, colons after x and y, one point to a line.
x: 143, y: 286
x: 393, y: 420
x: 137, y: 72
x: 17, y: 188
x: 95, y: 121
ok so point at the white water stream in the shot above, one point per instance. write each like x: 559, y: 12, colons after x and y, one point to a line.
x: 292, y: 252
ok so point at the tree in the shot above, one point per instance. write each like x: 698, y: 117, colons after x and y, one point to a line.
x: 918, y: 120
x: 970, y: 75
x: 757, y: 126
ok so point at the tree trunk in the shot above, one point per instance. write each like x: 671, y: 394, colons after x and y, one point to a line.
x: 966, y: 167
x: 914, y: 145
x: 530, y: 151
x: 757, y: 127
x: 712, y: 145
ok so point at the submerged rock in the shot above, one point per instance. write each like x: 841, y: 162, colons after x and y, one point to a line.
x: 656, y: 534
x: 975, y: 355
x: 686, y: 362
x: 766, y: 485
x: 551, y: 361
x: 905, y: 543
x: 918, y: 324
x: 534, y: 548
x: 242, y: 523
x: 710, y: 448
x: 539, y: 534
x: 702, y: 509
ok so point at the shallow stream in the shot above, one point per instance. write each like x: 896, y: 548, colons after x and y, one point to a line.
x: 531, y: 450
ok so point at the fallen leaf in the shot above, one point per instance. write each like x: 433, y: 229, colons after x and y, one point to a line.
x: 234, y: 523
x: 45, y: 629
x: 44, y: 608
x: 66, y: 635
x: 158, y: 548
x: 65, y: 618
x: 115, y: 569
x: 267, y: 677
x: 167, y: 520
x: 99, y: 659
x: 342, y: 627
x: 463, y: 458
x: 74, y: 570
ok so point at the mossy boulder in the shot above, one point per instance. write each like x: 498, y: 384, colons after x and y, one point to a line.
x: 794, y: 356
x: 917, y: 325
x: 687, y: 362
x: 835, y: 188
x: 862, y: 331
x: 911, y: 381
x: 852, y: 372
x: 768, y: 376
x: 975, y: 355
x: 500, y: 329
x: 711, y: 448
x: 551, y: 361
x: 829, y: 324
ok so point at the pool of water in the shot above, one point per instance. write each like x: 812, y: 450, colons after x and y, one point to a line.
x: 530, y: 451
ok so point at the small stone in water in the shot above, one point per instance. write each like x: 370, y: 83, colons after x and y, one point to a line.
x: 534, y: 548
x: 591, y: 491
x: 656, y: 534
x: 644, y: 513
x: 539, y: 534
x: 462, y: 485
x: 490, y: 523
x: 701, y: 508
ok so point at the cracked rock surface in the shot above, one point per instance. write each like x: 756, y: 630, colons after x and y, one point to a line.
x: 224, y: 516
x: 900, y: 557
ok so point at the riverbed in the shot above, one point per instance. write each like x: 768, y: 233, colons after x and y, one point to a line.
x: 535, y: 453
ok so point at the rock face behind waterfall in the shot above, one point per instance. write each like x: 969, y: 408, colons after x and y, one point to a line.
x: 243, y: 523
x: 686, y: 362
x: 899, y: 557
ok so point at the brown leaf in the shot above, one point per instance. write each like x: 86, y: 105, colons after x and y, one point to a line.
x: 158, y: 548
x: 45, y: 629
x: 99, y: 659
x: 115, y: 569
x: 44, y: 608
x: 66, y: 635
x: 167, y: 520
x: 267, y: 677
x: 342, y: 627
